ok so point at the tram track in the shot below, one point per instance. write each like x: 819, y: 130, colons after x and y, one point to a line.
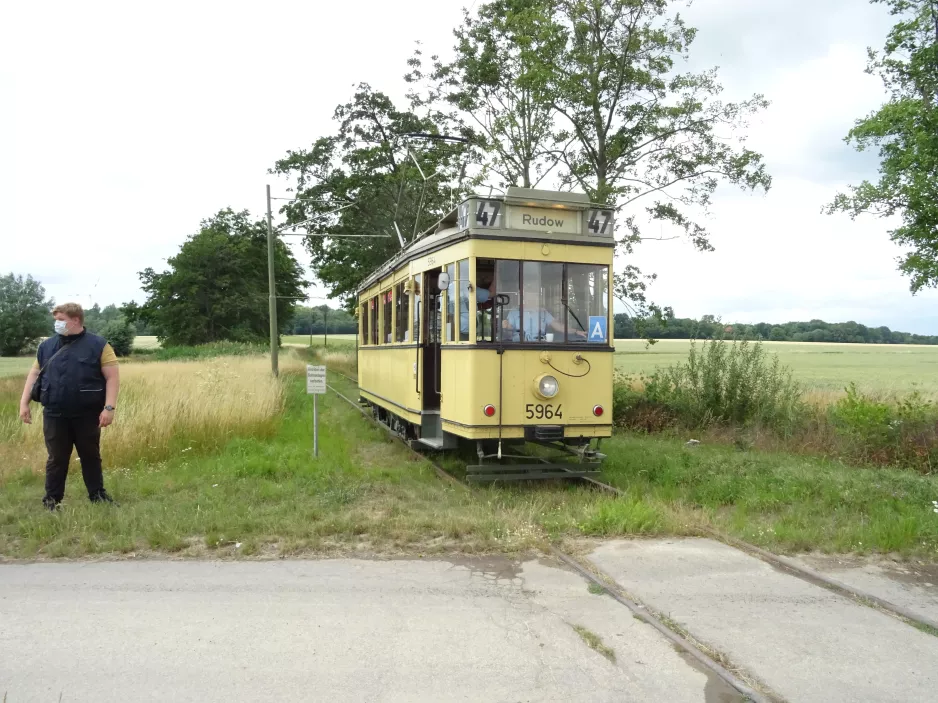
x: 594, y: 575
x: 698, y: 651
x: 776, y: 560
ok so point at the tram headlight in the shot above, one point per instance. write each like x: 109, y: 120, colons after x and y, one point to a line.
x: 547, y: 386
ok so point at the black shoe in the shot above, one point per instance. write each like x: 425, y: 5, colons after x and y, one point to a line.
x: 51, y: 504
x: 101, y: 497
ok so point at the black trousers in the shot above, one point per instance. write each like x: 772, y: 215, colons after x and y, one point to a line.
x: 63, y: 433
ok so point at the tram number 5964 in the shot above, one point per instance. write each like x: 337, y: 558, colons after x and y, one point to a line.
x: 543, y: 412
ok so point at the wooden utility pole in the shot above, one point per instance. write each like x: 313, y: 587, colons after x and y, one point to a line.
x: 274, y: 332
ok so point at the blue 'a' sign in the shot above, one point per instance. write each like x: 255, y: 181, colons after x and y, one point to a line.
x: 597, y: 328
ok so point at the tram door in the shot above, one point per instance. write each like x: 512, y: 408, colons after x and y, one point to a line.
x: 433, y: 300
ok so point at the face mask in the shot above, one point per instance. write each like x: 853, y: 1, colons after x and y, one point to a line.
x: 61, y: 326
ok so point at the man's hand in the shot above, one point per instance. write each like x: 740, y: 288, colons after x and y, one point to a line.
x: 105, y: 418
x: 26, y: 414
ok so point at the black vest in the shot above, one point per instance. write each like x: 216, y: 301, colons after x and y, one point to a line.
x: 72, y: 384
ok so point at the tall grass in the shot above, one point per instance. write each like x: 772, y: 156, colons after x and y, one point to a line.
x: 722, y: 383
x: 164, y: 408
x: 342, y: 360
x: 735, y: 390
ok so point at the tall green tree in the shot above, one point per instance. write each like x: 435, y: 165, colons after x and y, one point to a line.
x: 24, y: 314
x: 216, y: 287
x: 645, y: 133
x: 97, y: 317
x: 112, y: 324
x: 905, y: 131
x: 496, y: 85
x: 596, y: 86
x: 361, y: 180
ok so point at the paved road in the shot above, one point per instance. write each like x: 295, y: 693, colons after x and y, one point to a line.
x: 805, y: 642
x: 913, y: 585
x: 333, y: 630
x: 459, y: 630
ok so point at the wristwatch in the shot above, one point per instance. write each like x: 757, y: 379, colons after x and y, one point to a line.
x: 109, y: 408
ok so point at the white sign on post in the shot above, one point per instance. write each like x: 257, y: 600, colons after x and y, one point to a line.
x: 315, y: 379
x: 315, y: 385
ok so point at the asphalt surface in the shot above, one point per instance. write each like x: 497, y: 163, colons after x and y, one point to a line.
x: 331, y: 630
x: 911, y: 585
x: 466, y: 629
x: 804, y: 642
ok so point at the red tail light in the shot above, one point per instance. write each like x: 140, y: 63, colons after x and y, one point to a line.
x: 489, y: 410
x: 598, y: 410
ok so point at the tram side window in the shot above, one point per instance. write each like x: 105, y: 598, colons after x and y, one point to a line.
x: 464, y: 300
x: 587, y: 299
x: 363, y: 323
x: 387, y: 305
x: 416, y: 321
x: 450, y: 302
x: 507, y: 283
x: 485, y: 300
x: 373, y: 320
x: 400, y: 311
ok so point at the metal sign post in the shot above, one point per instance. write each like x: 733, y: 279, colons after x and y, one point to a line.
x: 315, y: 385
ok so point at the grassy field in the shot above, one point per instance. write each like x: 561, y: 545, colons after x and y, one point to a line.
x: 144, y: 342
x: 19, y: 365
x: 249, y: 486
x: 15, y: 366
x: 875, y: 368
x: 823, y: 369
x: 165, y: 407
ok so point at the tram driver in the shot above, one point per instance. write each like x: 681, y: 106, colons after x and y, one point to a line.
x: 539, y: 323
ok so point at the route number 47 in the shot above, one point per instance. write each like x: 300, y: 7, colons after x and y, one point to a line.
x: 600, y: 222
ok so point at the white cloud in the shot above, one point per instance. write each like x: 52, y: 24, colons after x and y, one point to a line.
x: 122, y: 125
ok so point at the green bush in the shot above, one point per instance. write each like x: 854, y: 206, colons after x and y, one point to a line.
x: 632, y: 408
x: 728, y: 383
x: 904, y: 432
x: 120, y: 335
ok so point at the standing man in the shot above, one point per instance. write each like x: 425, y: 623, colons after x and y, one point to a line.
x: 79, y: 388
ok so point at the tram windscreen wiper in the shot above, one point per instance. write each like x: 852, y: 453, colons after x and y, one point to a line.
x: 567, y: 306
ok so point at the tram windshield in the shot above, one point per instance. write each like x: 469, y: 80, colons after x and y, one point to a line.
x: 542, y: 302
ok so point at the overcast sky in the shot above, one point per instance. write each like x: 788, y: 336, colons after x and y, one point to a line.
x: 122, y: 125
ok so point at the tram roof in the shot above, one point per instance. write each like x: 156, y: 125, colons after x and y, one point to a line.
x: 519, y: 202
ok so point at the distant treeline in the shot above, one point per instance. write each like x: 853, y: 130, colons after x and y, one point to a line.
x: 305, y: 320
x: 709, y: 327
x: 322, y: 318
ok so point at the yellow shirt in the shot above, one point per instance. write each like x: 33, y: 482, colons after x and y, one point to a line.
x: 108, y: 357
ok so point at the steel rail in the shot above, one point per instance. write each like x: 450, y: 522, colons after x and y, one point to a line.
x: 440, y: 471
x: 353, y: 380
x: 803, y: 572
x: 790, y: 566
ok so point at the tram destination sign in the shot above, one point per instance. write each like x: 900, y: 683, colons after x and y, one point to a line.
x: 545, y: 219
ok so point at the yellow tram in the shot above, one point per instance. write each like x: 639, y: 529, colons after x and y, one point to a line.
x: 495, y: 326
